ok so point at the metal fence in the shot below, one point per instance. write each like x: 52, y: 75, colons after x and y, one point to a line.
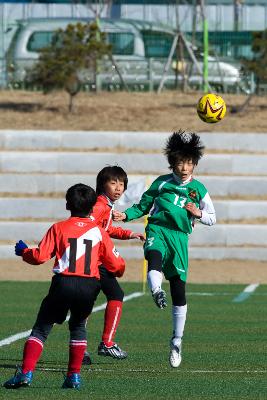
x: 138, y: 75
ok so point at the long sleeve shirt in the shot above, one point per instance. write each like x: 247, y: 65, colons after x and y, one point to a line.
x: 102, y: 215
x: 79, y: 246
x: 164, y: 201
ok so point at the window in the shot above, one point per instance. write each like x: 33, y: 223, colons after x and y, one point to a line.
x: 38, y: 40
x: 157, y: 44
x: 122, y: 43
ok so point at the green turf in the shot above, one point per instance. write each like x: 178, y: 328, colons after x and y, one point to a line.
x: 224, y: 347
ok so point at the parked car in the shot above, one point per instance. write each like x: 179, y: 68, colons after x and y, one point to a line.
x: 140, y: 50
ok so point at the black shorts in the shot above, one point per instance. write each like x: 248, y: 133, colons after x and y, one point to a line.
x: 110, y: 285
x: 69, y: 293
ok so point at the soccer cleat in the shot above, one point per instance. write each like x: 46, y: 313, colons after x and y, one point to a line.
x: 159, y: 297
x: 19, y: 380
x: 113, y: 351
x: 175, y: 356
x: 72, y: 381
x: 86, y: 359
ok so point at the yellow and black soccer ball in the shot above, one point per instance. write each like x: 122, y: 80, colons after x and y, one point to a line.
x: 211, y: 108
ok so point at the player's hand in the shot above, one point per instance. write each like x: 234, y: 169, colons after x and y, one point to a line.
x: 192, y: 208
x: 118, y: 216
x: 139, y: 236
x: 19, y: 247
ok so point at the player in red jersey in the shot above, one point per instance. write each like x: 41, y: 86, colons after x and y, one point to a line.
x: 78, y: 245
x: 111, y: 182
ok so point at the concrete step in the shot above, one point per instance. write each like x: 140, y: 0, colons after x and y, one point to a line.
x: 217, y: 235
x: 48, y: 184
x: 82, y: 162
x: 201, y: 253
x: 89, y: 140
x: 54, y: 209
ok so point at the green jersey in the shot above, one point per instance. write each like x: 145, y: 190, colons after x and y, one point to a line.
x: 165, y: 201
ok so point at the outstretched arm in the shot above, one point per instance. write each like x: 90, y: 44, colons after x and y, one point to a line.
x: 118, y: 216
x: 137, y: 235
x: 140, y: 209
x: 44, y: 252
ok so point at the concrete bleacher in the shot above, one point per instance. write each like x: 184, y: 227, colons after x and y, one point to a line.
x: 36, y: 168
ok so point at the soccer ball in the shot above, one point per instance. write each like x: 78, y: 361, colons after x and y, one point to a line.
x: 211, y: 108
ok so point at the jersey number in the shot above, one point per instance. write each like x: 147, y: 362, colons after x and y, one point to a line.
x: 179, y: 200
x: 73, y: 252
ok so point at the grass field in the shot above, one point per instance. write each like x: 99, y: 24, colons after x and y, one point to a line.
x: 224, y: 348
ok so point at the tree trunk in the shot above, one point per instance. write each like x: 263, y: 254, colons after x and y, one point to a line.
x: 71, y: 103
x: 238, y: 109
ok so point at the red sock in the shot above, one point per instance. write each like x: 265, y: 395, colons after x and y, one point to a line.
x: 32, y: 352
x: 112, y: 319
x: 76, y: 353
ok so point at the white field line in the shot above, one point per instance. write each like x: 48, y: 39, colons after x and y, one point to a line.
x: 246, y: 293
x: 191, y: 371
x: 21, y: 335
x: 162, y: 371
x: 207, y: 294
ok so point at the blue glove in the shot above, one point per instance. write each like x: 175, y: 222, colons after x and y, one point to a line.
x: 20, y: 246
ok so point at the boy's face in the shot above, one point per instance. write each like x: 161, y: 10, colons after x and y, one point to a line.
x: 184, y: 168
x: 114, y: 189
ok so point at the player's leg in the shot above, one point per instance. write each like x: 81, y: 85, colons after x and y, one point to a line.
x: 112, y: 316
x: 175, y: 270
x: 154, y: 277
x: 83, y: 297
x: 50, y: 311
x: 32, y: 350
x: 154, y: 250
x: 53, y: 310
x: 179, y: 311
x: 77, y: 347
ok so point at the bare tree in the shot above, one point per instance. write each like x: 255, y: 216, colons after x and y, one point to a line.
x: 98, y: 7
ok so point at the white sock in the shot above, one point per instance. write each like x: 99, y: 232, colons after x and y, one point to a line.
x: 154, y: 279
x: 178, y: 319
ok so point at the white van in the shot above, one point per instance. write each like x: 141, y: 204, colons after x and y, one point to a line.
x: 34, y: 34
x: 140, y: 50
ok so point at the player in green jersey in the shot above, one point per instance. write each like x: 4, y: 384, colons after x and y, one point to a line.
x: 173, y: 202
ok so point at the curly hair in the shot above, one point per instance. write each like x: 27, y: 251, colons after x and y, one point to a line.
x: 185, y: 146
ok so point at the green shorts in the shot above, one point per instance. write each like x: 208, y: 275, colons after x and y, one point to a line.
x: 173, y: 246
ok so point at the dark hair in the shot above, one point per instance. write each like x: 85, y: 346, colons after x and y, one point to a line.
x: 185, y: 146
x: 80, y: 199
x: 107, y: 174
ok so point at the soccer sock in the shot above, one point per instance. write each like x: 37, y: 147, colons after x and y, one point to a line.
x: 154, y: 279
x: 178, y: 318
x: 76, y: 352
x: 32, y: 352
x: 111, y: 321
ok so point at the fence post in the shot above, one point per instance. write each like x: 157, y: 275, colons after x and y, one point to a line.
x: 150, y: 74
x: 252, y: 83
x: 98, y: 83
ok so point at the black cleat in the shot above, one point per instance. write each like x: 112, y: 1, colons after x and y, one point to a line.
x: 113, y: 351
x: 159, y: 297
x: 86, y: 359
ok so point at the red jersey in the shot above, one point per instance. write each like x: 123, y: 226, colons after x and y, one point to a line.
x: 79, y: 245
x: 102, y: 214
